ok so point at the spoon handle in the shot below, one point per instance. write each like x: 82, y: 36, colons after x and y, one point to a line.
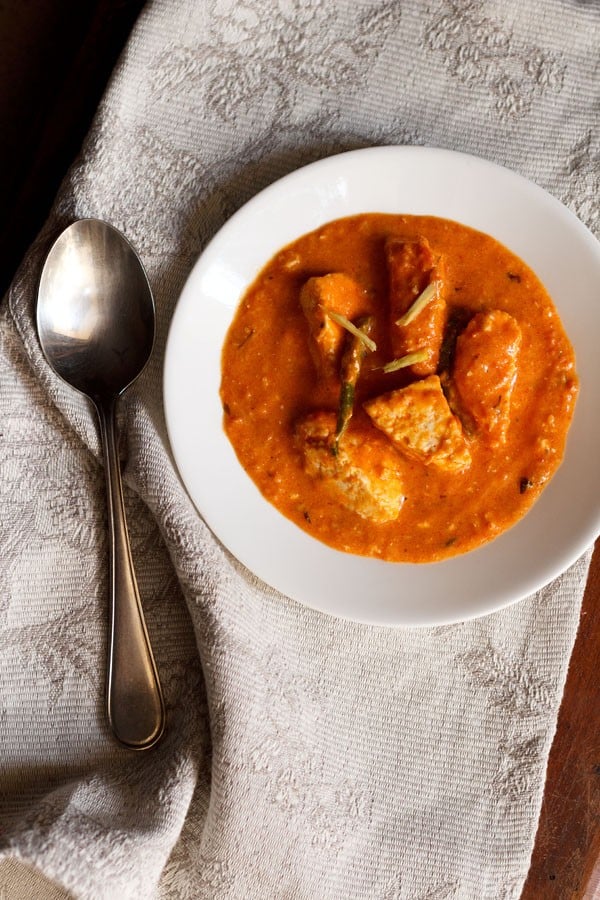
x: 134, y: 698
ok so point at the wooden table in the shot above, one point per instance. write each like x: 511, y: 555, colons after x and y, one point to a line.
x: 55, y: 59
x: 567, y: 846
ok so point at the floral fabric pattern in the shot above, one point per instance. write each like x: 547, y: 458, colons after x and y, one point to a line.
x: 305, y: 757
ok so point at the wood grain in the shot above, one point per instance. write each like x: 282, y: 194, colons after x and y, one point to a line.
x: 568, y: 840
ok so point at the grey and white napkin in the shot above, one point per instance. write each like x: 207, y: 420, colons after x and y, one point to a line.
x: 306, y: 757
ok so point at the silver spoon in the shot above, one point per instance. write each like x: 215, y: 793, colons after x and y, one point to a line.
x: 95, y: 319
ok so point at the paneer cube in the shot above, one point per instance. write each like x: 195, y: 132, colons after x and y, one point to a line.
x: 412, y: 267
x: 419, y: 422
x: 485, y: 371
x: 364, y: 474
x: 341, y: 294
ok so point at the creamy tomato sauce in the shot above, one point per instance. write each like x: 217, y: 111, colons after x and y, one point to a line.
x: 270, y: 381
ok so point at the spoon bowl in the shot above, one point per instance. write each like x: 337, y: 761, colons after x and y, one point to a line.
x: 95, y: 321
x: 95, y: 311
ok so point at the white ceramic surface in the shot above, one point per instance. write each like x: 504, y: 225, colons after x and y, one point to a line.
x: 535, y: 226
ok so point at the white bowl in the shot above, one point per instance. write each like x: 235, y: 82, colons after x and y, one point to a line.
x: 548, y: 237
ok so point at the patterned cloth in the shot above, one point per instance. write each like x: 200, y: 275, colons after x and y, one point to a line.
x: 305, y: 757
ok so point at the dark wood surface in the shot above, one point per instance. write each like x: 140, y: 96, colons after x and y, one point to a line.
x: 568, y: 840
x: 55, y: 60
x: 56, y: 57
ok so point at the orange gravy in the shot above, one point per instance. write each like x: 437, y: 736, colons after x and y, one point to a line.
x: 269, y: 380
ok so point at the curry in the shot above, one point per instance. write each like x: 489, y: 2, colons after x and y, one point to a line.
x: 398, y: 386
